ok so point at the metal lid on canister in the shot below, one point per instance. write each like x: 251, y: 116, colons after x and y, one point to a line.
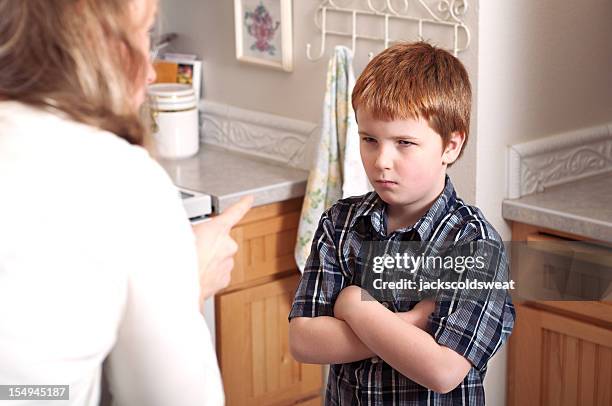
x: 172, y: 97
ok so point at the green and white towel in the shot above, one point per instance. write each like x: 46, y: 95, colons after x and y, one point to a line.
x: 338, y: 171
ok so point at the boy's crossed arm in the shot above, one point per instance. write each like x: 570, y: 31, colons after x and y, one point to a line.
x: 325, y: 340
x: 419, y: 358
x: 329, y: 340
x: 363, y: 329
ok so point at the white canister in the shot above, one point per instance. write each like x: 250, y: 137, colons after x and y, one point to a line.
x: 175, y: 119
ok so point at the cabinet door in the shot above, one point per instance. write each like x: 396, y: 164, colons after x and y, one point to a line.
x: 256, y: 365
x: 556, y: 360
x: 266, y: 241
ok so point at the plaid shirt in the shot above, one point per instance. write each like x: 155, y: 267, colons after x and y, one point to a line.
x: 474, y: 329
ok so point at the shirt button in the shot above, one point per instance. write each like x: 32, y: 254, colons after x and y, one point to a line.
x: 375, y: 360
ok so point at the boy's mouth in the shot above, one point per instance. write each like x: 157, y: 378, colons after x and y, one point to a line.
x: 385, y: 182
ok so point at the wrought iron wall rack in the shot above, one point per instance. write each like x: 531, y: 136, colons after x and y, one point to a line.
x: 449, y: 14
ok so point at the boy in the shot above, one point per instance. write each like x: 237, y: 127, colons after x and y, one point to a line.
x: 412, y: 104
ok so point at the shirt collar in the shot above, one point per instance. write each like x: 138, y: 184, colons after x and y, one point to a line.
x: 374, y: 208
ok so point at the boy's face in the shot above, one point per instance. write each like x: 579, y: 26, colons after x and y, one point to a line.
x: 403, y: 159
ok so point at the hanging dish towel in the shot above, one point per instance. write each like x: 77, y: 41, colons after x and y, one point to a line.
x: 337, y: 172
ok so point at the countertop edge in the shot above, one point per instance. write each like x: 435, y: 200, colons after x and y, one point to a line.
x: 264, y: 195
x: 556, y: 220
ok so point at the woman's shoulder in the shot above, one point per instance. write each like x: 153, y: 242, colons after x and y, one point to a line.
x: 44, y: 153
x: 47, y: 130
x: 44, y: 138
x: 90, y: 180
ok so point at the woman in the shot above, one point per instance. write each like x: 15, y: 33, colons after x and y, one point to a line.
x: 97, y: 258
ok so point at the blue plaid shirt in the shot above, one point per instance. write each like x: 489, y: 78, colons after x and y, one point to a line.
x: 474, y: 329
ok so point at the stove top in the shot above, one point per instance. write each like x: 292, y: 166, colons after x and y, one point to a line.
x: 197, y: 205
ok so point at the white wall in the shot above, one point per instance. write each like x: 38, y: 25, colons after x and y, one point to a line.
x: 545, y: 67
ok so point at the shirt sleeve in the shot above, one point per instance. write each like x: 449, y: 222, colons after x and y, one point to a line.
x: 475, y: 322
x: 322, y: 279
x: 163, y: 353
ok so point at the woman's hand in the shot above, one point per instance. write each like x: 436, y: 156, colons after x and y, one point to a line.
x: 216, y: 248
x: 419, y: 315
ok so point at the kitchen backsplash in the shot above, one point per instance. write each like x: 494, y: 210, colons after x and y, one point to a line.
x: 536, y: 165
x: 284, y: 140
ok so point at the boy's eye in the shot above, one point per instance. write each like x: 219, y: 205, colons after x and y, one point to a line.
x: 405, y: 142
x: 368, y: 139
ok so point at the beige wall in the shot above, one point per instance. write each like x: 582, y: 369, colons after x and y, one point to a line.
x: 206, y: 28
x: 545, y: 67
x: 537, y: 68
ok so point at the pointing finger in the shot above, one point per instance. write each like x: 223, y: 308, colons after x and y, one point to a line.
x: 235, y: 212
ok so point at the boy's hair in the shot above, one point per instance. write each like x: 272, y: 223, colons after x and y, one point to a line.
x: 412, y: 80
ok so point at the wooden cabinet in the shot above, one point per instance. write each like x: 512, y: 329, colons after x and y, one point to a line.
x: 251, y: 315
x: 558, y: 360
x: 560, y: 352
x: 255, y: 361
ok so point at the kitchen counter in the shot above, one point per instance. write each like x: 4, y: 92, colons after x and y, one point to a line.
x: 582, y: 207
x: 228, y: 175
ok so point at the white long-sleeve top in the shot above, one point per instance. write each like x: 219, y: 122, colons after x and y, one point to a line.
x: 97, y: 258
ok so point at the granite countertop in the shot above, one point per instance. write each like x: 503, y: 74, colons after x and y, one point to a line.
x: 228, y: 175
x: 582, y: 207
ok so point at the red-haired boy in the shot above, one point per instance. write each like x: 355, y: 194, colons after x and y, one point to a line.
x: 413, y: 111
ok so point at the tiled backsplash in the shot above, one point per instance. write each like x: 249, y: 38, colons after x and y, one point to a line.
x: 536, y: 165
x: 269, y: 136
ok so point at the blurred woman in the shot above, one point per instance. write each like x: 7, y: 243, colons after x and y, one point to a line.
x: 97, y: 257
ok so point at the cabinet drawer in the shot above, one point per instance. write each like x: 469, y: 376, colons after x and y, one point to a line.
x: 266, y: 241
x: 549, y: 268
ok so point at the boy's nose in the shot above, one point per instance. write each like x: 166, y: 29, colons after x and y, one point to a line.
x: 383, y: 160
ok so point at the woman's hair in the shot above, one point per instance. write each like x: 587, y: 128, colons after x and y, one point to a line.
x: 76, y: 56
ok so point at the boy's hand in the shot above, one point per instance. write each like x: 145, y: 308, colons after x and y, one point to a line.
x: 347, y: 301
x: 419, y: 315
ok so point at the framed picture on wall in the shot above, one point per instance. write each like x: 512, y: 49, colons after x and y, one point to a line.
x: 264, y: 33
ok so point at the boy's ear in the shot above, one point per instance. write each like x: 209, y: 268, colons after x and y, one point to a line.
x: 453, y: 147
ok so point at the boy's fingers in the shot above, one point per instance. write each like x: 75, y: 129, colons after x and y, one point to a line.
x: 235, y: 212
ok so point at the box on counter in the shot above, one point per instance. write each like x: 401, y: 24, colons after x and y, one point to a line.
x: 179, y: 68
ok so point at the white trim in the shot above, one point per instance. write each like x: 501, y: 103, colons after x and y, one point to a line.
x: 281, y: 139
x: 536, y: 165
